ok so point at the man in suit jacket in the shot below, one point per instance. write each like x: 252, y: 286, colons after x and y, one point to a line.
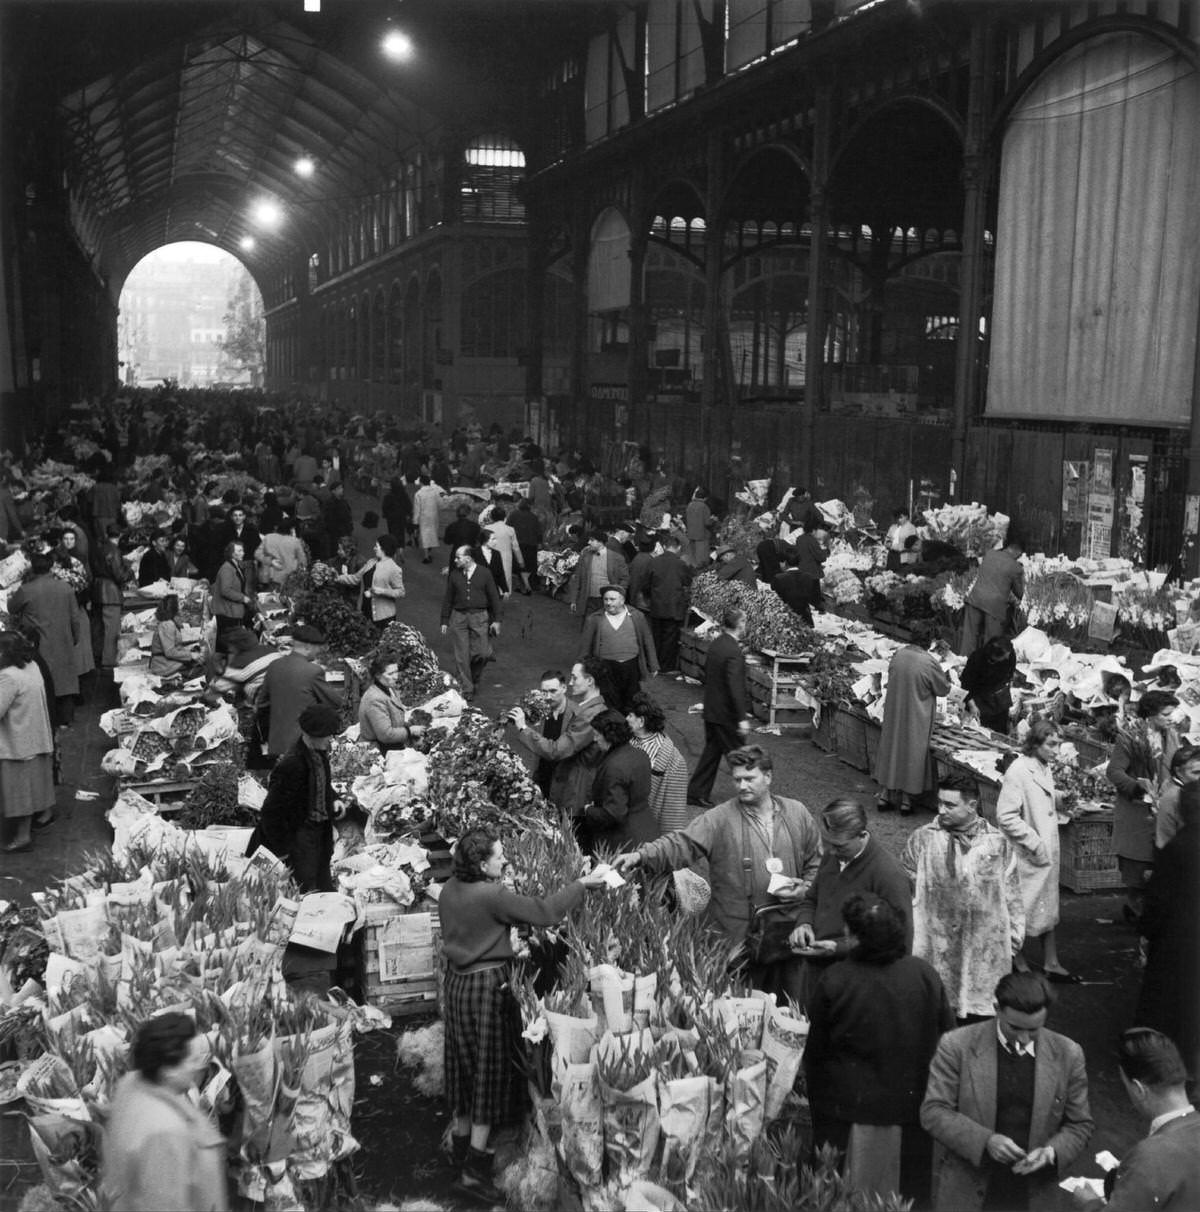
x: 291, y: 684
x: 574, y: 751
x: 726, y: 707
x: 1162, y: 1171
x: 799, y: 589
x: 1006, y: 1105
x: 667, y: 581
x: 598, y: 566
x: 1000, y: 582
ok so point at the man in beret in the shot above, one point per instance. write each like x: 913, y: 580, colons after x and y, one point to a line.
x: 296, y: 823
x: 291, y: 684
x: 619, y: 637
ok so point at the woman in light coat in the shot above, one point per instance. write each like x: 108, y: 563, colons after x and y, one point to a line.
x: 1027, y: 813
x: 382, y: 717
x: 26, y: 744
x: 502, y: 539
x: 160, y: 1151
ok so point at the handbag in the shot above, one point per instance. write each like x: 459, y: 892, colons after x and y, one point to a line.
x: 770, y: 928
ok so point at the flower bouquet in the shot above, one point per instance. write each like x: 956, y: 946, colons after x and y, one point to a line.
x: 770, y: 622
x: 970, y: 528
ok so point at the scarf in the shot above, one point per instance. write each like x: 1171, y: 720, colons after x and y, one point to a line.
x: 318, y: 785
x: 961, y: 841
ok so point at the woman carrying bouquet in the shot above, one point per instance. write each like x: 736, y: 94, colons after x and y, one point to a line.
x: 484, y: 1088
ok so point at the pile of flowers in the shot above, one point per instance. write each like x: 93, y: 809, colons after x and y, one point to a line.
x: 554, y: 568
x: 970, y: 528
x: 646, y: 1062
x: 842, y: 587
x: 770, y: 623
x: 160, y: 929
x: 475, y: 778
x: 421, y: 678
x: 863, y: 558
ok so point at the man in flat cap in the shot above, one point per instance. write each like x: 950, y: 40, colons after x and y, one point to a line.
x: 618, y: 635
x: 292, y: 683
x: 296, y: 823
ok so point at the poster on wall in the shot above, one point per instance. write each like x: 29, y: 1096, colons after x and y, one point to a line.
x: 1097, y: 541
x: 1074, y: 490
x: 1102, y: 470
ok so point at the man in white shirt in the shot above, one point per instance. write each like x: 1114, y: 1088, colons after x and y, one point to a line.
x: 1006, y: 1105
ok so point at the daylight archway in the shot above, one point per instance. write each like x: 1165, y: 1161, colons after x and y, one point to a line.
x: 191, y: 314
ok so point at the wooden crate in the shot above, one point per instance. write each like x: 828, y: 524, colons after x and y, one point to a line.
x: 874, y: 731
x: 165, y: 796
x: 771, y: 679
x: 693, y: 652
x: 397, y: 981
x: 1087, y: 862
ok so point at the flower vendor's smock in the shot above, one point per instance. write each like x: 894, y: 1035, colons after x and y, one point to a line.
x: 968, y: 917
x: 1027, y: 814
x: 915, y: 680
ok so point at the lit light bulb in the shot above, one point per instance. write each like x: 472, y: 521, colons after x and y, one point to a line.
x: 397, y: 46
x: 246, y: 244
x: 304, y: 167
x: 268, y: 213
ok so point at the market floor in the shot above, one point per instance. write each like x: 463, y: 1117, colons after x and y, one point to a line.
x: 398, y: 1127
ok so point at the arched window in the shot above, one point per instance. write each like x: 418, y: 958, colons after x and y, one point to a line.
x: 493, y: 315
x: 378, y: 336
x: 395, y: 335
x: 491, y: 173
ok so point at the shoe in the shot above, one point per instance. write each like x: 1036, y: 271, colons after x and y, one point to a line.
x: 44, y: 824
x: 22, y: 848
x: 906, y: 810
x: 476, y: 1178
x: 698, y: 803
x: 883, y: 804
x: 427, y: 560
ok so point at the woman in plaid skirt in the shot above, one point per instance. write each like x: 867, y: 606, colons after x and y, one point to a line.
x: 484, y: 1086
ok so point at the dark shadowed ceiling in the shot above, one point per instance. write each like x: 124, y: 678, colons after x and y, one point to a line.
x: 170, y: 120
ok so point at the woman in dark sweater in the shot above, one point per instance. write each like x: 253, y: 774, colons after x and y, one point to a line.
x: 483, y: 1085
x: 987, y: 677
x: 619, y: 815
x: 874, y: 1023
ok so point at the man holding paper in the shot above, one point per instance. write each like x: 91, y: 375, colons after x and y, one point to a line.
x: 763, y: 852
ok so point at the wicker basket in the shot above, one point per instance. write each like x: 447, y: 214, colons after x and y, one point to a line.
x: 850, y: 733
x: 1087, y: 862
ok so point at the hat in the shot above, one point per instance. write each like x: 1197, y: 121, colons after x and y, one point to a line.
x: 306, y: 633
x: 726, y: 550
x: 612, y: 589
x: 319, y: 720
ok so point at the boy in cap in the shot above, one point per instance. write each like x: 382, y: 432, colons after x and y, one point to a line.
x: 296, y: 823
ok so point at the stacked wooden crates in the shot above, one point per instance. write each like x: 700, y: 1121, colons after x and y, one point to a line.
x: 771, y: 681
x: 401, y: 950
x: 401, y: 960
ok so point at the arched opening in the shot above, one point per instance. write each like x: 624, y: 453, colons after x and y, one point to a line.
x: 395, y: 335
x: 490, y: 179
x: 190, y: 313
x: 766, y: 282
x: 378, y: 336
x: 674, y: 290
x: 411, y: 363
x: 608, y: 283
x: 895, y: 209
